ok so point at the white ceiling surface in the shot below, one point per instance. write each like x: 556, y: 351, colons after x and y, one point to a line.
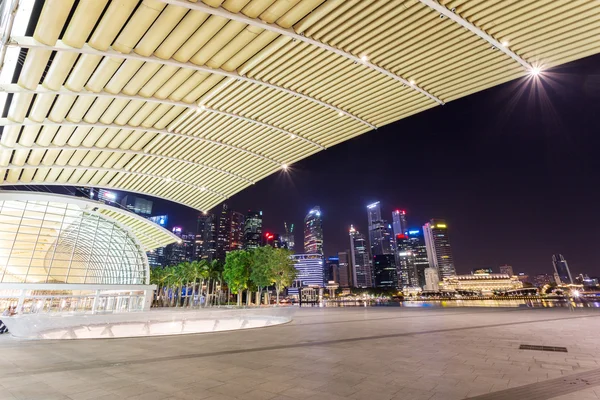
x: 194, y: 101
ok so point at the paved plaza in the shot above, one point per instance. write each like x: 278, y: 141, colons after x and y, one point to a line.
x: 336, y: 353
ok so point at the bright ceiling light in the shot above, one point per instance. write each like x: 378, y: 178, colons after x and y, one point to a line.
x: 505, y: 43
x: 535, y: 71
x: 168, y: 179
x: 364, y: 58
x: 341, y: 113
x: 201, y: 107
x: 284, y: 167
x: 412, y: 82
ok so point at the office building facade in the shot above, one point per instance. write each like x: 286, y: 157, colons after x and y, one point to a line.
x: 399, y: 222
x: 236, y: 231
x: 405, y: 259
x: 419, y: 250
x: 206, y: 237
x: 562, y: 272
x: 432, y: 280
x: 380, y: 233
x: 362, y: 275
x: 344, y: 269
x: 313, y: 232
x: 288, y: 237
x: 253, y: 230
x: 310, y: 271
x: 384, y: 271
x: 137, y: 205
x: 439, y: 251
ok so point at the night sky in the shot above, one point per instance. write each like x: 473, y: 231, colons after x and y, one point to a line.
x: 514, y: 171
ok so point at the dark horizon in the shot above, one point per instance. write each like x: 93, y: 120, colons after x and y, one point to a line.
x: 511, y: 169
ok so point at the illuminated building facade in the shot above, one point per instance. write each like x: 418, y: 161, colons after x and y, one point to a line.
x: 253, y: 230
x: 344, y: 269
x: 439, y: 251
x: 405, y: 259
x: 432, y: 280
x: 310, y: 271
x: 360, y: 259
x: 236, y: 231
x: 205, y: 237
x: 541, y: 280
x: 561, y: 270
x: 313, y: 232
x: 87, y: 253
x: 482, y: 283
x: 223, y: 233
x: 380, y: 235
x: 288, y: 237
x: 137, y: 205
x: 384, y: 271
x: 399, y: 224
x: 419, y: 250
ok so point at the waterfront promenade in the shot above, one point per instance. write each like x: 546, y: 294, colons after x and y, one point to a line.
x: 337, y: 353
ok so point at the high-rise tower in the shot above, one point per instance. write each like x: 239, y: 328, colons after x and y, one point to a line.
x: 399, y: 222
x: 253, y: 230
x: 561, y: 270
x: 439, y: 251
x: 223, y: 233
x: 288, y: 237
x: 313, y: 232
x: 361, y: 260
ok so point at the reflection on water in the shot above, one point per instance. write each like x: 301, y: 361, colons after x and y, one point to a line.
x: 534, y: 303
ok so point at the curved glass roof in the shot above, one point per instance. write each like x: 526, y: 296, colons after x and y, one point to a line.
x: 52, y: 239
x: 194, y: 101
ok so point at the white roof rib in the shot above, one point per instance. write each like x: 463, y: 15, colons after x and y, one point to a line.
x: 218, y: 94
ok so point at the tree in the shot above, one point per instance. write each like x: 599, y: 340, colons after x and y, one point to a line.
x: 284, y: 271
x: 237, y: 272
x: 263, y: 270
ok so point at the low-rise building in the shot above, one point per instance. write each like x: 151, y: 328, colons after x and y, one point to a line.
x: 483, y: 283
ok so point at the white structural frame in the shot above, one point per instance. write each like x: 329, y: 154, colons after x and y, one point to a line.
x: 221, y: 12
x: 87, y: 205
x: 15, y: 88
x: 18, y: 146
x: 433, y: 4
x: 47, y: 122
x: 105, y: 169
x: 31, y: 43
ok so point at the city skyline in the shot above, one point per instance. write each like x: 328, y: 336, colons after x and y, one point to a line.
x: 495, y: 170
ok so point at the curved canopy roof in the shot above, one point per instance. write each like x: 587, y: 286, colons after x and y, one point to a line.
x: 194, y: 101
x: 149, y: 235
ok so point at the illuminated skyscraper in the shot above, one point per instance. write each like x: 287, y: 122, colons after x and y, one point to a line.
x: 137, y: 205
x: 344, y: 269
x: 362, y: 276
x: 313, y: 232
x: 223, y: 230
x: 205, y: 237
x: 417, y: 245
x: 236, y: 231
x: 405, y: 258
x: 384, y: 271
x: 561, y: 270
x: 253, y: 230
x: 288, y: 237
x: 439, y: 251
x: 310, y: 271
x: 399, y: 222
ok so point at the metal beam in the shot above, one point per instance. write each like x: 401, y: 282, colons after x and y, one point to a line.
x: 221, y: 12
x: 15, y: 88
x: 103, y: 169
x: 47, y: 122
x: 122, y: 151
x: 31, y: 43
x: 466, y: 24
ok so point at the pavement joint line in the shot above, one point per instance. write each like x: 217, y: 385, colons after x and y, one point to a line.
x: 92, y: 365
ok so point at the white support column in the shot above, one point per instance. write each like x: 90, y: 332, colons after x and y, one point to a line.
x: 96, y: 300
